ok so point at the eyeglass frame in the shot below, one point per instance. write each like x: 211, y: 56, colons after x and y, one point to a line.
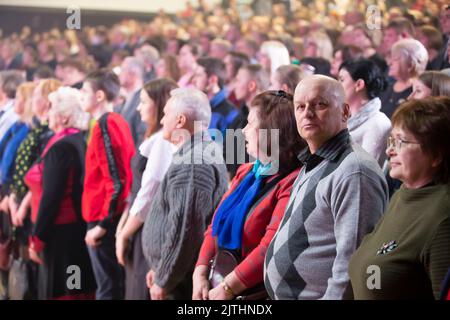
x: 396, y: 143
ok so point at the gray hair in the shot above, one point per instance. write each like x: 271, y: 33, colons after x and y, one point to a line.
x: 193, y: 103
x: 329, y: 86
x: 415, y: 52
x: 66, y: 102
x: 135, y: 65
x: 148, y: 54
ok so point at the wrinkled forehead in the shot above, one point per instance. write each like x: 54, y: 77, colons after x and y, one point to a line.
x: 309, y: 91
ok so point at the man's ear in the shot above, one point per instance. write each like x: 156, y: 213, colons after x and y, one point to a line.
x: 213, y: 80
x: 345, y: 112
x: 252, y: 86
x: 100, y: 96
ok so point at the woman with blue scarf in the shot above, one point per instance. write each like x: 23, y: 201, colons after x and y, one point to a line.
x: 249, y: 214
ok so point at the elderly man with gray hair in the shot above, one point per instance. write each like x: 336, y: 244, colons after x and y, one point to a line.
x: 186, y: 199
x: 338, y: 198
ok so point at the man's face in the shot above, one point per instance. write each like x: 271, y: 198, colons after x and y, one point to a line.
x: 169, y: 121
x: 317, y: 115
x: 201, y: 79
x: 242, y: 81
x: 390, y: 37
x: 88, y: 100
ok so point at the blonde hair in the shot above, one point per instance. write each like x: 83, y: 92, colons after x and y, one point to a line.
x: 48, y: 86
x: 25, y: 90
x: 277, y: 52
x: 66, y: 103
x: 415, y: 52
x: 323, y: 44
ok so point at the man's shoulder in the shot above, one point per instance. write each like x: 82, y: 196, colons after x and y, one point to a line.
x: 357, y: 160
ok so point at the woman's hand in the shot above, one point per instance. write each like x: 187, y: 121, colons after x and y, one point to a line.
x: 219, y: 293
x: 200, y: 283
x: 22, y: 212
x: 12, y: 204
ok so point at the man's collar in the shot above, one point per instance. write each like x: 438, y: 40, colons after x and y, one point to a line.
x: 331, y: 149
x: 218, y: 98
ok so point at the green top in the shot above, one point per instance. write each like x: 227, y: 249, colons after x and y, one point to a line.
x: 410, y: 245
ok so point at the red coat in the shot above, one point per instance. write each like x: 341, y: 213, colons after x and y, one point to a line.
x: 108, y: 175
x: 259, y: 228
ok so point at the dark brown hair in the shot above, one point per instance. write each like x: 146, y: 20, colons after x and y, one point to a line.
x: 159, y: 91
x: 171, y: 65
x: 276, y: 111
x: 429, y: 121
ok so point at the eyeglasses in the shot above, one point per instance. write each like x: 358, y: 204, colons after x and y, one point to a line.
x: 397, y: 143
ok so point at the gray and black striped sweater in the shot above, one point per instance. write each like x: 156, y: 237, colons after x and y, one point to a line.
x: 338, y: 197
x: 182, y: 210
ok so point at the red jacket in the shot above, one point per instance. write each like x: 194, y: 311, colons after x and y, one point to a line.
x: 108, y: 175
x: 259, y: 228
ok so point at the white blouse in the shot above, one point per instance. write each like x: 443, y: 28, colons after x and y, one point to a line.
x: 159, y: 153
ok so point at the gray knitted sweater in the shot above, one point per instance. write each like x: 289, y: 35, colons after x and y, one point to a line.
x: 182, y: 210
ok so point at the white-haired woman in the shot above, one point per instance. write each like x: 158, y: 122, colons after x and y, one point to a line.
x: 272, y: 55
x: 57, y: 239
x: 407, y: 61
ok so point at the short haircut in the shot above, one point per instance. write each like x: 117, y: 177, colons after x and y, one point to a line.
x: 66, y: 102
x: 401, y: 25
x: 331, y: 87
x: 259, y: 75
x: 434, y: 37
x: 238, y: 59
x: 428, y: 120
x: 10, y: 80
x: 414, y: 51
x: 106, y: 81
x: 135, y: 65
x: 193, y: 103
x: 289, y: 75
x: 213, y: 67
x: 367, y: 70
x: 74, y: 63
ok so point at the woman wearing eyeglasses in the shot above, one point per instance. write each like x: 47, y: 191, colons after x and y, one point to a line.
x: 408, y: 253
x: 249, y: 214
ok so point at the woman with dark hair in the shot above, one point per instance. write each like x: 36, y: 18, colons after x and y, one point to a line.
x: 249, y: 214
x: 158, y: 153
x: 363, y: 82
x: 411, y: 242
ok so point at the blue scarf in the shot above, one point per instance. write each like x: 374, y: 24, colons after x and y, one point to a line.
x: 230, y: 217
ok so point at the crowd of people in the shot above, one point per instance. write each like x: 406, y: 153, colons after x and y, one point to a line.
x: 226, y: 154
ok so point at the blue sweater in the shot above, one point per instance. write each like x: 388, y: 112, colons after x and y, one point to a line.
x: 8, y: 150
